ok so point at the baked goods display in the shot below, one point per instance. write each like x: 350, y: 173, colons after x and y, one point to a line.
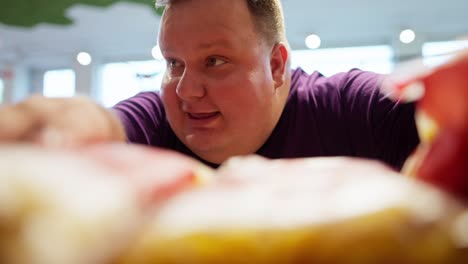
x: 119, y: 203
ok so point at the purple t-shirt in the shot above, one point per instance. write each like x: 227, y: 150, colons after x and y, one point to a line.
x: 341, y: 115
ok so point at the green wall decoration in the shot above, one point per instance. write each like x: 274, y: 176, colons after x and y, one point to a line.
x: 28, y: 13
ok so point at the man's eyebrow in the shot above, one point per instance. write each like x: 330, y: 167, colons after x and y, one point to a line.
x: 207, y: 45
x: 213, y: 44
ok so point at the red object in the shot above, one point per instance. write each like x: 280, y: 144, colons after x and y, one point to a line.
x: 157, y: 174
x: 445, y: 100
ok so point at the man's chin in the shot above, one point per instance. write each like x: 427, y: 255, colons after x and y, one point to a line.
x: 207, y: 147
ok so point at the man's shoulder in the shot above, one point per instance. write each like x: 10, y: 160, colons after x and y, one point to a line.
x: 316, y: 81
x: 143, y: 117
x: 317, y: 88
x: 311, y: 88
x: 146, y: 97
x: 148, y: 101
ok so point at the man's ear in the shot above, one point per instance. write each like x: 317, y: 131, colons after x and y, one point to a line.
x: 278, y: 63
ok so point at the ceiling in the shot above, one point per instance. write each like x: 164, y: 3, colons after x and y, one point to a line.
x: 127, y: 30
x: 28, y: 13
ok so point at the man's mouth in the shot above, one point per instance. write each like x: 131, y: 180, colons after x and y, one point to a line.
x: 201, y: 116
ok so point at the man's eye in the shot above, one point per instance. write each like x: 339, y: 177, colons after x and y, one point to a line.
x: 173, y: 63
x: 214, y: 61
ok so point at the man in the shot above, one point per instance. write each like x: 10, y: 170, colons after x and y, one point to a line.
x: 228, y: 91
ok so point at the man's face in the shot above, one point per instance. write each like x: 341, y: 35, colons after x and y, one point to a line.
x: 219, y: 93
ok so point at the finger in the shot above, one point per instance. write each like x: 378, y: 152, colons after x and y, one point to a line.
x: 23, y: 121
x: 403, y: 83
x: 408, y: 82
x: 53, y: 137
x: 81, y: 122
x: 15, y: 123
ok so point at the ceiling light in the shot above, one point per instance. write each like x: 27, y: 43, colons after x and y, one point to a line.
x: 313, y: 41
x: 407, y: 36
x: 156, y: 52
x: 84, y: 58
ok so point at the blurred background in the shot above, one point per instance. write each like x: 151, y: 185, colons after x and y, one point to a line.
x: 107, y: 48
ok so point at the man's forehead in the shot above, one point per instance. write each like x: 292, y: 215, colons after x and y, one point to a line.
x: 204, y: 36
x: 203, y: 29
x: 204, y: 44
x: 220, y: 42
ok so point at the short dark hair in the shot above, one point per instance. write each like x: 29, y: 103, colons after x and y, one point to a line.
x: 268, y: 18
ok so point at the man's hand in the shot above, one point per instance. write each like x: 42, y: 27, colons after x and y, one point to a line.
x: 58, y: 122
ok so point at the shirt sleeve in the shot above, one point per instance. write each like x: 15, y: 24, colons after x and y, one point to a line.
x: 142, y: 117
x: 378, y: 126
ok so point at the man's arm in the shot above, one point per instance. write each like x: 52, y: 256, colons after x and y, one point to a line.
x: 58, y: 122
x: 391, y: 134
x: 142, y: 117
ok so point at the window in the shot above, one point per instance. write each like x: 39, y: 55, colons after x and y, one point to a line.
x: 332, y: 61
x: 59, y: 83
x: 435, y: 53
x: 124, y: 79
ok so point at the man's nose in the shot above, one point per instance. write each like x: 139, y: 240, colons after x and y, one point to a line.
x: 190, y: 86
